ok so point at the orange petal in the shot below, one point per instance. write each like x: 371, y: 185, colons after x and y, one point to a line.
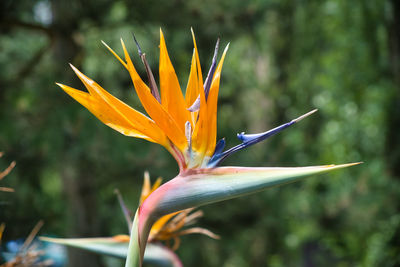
x: 192, y: 89
x: 212, y: 102
x: 199, y: 230
x: 115, y: 54
x: 160, y: 116
x: 156, y: 184
x: 171, y: 94
x: 132, y: 116
x: 159, y: 224
x: 145, y: 188
x: 200, y: 135
x: 106, y: 114
x: 200, y: 76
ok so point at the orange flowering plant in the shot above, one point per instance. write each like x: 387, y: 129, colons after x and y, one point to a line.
x: 186, y: 126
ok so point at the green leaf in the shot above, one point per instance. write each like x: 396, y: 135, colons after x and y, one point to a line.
x: 156, y: 254
x: 134, y: 257
x: 102, y: 245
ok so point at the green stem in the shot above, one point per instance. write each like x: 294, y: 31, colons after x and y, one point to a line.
x: 132, y: 259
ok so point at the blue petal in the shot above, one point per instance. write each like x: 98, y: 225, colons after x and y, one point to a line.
x: 210, y: 75
x: 217, y: 151
x: 251, y: 139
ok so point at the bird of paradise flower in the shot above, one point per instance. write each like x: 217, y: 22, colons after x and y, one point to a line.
x: 186, y: 127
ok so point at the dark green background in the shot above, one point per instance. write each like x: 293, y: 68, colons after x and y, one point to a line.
x: 285, y: 58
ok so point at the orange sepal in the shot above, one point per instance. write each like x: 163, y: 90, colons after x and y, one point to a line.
x: 159, y: 224
x: 171, y: 95
x: 192, y: 88
x: 106, y: 114
x: 212, y: 104
x: 160, y: 116
x: 200, y: 135
x: 147, y: 189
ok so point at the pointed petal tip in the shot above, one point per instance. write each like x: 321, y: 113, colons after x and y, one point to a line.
x: 192, y: 31
x: 351, y: 164
x: 226, y: 47
x: 137, y: 45
x: 105, y: 44
x: 48, y: 239
x: 146, y: 175
x: 77, y: 72
x: 65, y: 87
x: 345, y: 165
x: 305, y: 115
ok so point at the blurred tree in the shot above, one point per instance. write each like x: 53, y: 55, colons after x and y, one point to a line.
x: 285, y: 59
x: 393, y: 115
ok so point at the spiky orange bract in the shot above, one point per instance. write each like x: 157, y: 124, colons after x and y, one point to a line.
x: 212, y: 102
x: 171, y: 95
x: 166, y: 124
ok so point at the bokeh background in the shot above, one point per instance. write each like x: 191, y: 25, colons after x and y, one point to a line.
x: 285, y: 58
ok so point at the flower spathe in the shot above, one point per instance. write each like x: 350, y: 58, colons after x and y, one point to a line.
x: 169, y: 227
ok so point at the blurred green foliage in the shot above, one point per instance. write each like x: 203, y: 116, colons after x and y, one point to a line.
x: 285, y: 58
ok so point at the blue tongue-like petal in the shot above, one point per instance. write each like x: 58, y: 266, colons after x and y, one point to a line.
x: 210, y: 75
x: 251, y: 139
